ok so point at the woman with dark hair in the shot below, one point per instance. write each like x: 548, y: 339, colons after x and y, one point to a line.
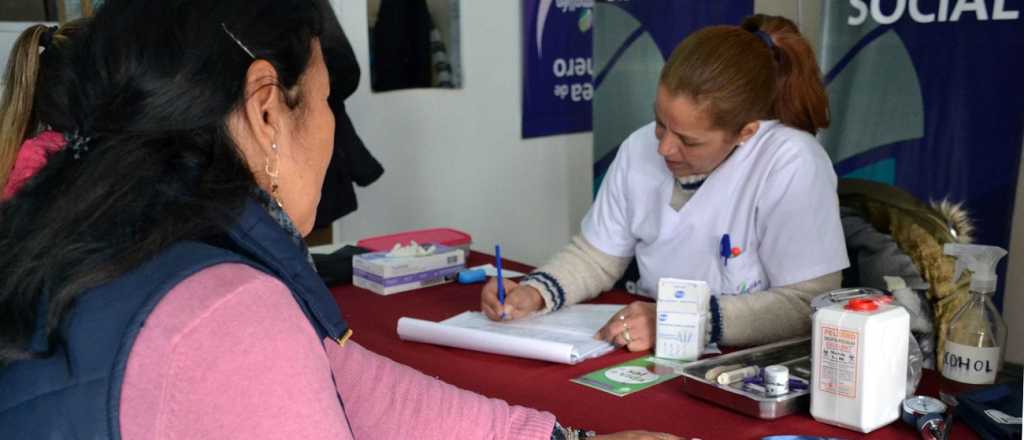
x: 154, y: 283
x: 728, y: 185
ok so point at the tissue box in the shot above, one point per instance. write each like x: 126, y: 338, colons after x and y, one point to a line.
x: 385, y: 275
x: 681, y: 318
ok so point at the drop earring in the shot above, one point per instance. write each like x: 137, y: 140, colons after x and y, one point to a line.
x: 273, y: 175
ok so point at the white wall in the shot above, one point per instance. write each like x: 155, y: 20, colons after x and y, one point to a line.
x: 455, y: 158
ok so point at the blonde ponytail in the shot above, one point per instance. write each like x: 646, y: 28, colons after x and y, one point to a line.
x: 16, y: 113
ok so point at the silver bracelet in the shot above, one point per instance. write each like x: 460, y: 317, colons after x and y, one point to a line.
x: 577, y: 434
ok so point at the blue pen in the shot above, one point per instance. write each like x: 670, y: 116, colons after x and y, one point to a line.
x: 725, y: 249
x: 501, y: 281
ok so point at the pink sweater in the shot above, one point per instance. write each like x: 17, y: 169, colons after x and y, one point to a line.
x: 229, y: 354
x: 31, y: 158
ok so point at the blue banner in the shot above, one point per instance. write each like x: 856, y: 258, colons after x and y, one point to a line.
x: 928, y: 96
x: 632, y: 40
x: 557, y: 66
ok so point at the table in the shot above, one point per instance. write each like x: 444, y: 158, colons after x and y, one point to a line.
x: 546, y: 386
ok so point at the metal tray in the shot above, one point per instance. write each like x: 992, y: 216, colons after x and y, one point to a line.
x: 793, y: 353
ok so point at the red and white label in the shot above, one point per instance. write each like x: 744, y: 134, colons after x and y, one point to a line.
x: 840, y: 352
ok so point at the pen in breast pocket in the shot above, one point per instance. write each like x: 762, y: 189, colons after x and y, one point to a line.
x: 727, y: 251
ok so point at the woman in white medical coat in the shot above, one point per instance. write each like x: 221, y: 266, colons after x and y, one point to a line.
x: 727, y: 185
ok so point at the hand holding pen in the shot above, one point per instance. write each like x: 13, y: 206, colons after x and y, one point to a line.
x: 508, y: 300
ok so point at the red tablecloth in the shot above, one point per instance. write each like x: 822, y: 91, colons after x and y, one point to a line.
x: 546, y: 386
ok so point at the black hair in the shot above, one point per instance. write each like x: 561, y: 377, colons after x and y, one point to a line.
x: 154, y: 82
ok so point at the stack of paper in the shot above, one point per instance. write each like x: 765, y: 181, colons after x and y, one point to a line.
x: 565, y: 336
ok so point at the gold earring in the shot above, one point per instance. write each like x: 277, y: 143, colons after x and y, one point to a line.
x: 273, y: 175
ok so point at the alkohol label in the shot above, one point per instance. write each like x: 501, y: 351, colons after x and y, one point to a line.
x: 970, y: 365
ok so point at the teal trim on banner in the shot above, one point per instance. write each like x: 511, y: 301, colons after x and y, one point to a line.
x: 883, y: 171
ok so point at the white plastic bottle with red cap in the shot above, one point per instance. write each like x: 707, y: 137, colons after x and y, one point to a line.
x: 859, y: 359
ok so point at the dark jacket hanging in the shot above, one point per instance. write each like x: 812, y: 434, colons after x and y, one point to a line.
x: 352, y: 162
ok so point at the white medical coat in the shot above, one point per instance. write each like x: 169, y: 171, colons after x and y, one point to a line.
x: 775, y: 196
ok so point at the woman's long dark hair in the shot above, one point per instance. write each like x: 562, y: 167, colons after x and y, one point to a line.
x: 154, y: 82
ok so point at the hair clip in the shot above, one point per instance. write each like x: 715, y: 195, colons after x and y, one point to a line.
x: 77, y: 144
x: 236, y: 40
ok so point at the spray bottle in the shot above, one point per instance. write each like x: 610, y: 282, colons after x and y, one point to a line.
x: 976, y: 337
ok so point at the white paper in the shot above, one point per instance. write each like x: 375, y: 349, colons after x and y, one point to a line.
x: 565, y: 336
x: 492, y: 271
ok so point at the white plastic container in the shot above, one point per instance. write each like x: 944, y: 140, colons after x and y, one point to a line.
x: 776, y: 380
x: 682, y: 319
x: 859, y: 354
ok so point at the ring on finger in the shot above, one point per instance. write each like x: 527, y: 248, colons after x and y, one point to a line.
x: 625, y: 335
x: 622, y: 317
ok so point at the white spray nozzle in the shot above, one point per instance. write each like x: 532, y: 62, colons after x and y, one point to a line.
x: 980, y: 259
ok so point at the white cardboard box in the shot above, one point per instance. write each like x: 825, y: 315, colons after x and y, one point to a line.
x: 681, y: 318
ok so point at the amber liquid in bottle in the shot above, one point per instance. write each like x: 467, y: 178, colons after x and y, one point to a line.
x: 975, y: 344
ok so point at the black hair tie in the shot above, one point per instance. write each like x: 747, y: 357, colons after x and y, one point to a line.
x: 47, y: 37
x: 765, y: 38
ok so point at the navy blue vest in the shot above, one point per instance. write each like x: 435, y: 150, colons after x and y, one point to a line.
x: 76, y: 393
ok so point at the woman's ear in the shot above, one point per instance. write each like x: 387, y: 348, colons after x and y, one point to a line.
x: 264, y: 105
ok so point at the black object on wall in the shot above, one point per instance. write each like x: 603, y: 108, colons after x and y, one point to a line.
x: 400, y: 47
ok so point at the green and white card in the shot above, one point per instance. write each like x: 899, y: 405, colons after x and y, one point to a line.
x: 632, y: 376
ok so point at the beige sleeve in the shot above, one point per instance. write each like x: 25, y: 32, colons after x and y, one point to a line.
x: 578, y: 272
x: 771, y: 315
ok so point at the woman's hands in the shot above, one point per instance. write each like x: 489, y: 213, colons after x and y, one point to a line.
x: 520, y: 301
x: 632, y: 327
